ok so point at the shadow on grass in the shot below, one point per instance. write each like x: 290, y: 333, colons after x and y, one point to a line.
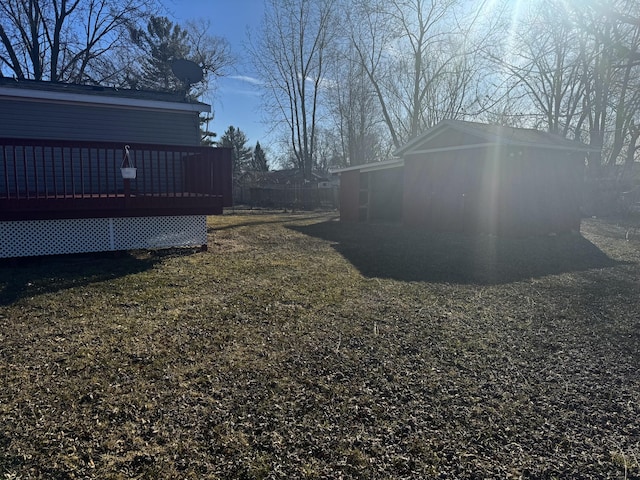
x: 29, y: 276
x: 400, y: 253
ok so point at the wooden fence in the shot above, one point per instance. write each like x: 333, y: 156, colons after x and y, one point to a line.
x: 289, y: 196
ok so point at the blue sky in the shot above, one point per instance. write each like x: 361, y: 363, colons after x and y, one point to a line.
x: 237, y: 100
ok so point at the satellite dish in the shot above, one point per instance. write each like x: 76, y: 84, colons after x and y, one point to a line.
x: 187, y: 71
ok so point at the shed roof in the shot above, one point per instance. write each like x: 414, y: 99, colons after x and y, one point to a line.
x: 43, y: 91
x: 371, y: 167
x: 468, y: 135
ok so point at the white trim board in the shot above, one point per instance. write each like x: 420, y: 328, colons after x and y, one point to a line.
x: 495, y: 144
x: 371, y: 167
x: 105, y: 101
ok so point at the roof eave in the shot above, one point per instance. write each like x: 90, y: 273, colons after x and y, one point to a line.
x: 46, y: 96
x: 491, y: 139
x: 371, y: 167
x: 567, y: 148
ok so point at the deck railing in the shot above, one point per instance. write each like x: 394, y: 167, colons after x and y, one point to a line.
x: 69, y: 179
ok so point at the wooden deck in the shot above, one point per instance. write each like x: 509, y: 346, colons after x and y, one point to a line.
x: 44, y: 179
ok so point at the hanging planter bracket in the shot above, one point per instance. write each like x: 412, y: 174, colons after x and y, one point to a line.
x: 127, y: 168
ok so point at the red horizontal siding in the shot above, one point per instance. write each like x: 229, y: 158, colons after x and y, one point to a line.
x: 349, y: 195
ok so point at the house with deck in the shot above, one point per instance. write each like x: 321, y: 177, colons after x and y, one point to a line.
x: 90, y: 169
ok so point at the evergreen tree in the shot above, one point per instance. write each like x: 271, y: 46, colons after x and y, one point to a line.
x: 236, y: 139
x: 206, y: 136
x: 162, y: 42
x: 259, y: 160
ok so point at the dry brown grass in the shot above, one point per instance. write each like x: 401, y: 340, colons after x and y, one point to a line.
x: 299, y: 347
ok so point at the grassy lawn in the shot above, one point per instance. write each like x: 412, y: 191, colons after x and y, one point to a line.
x: 299, y: 347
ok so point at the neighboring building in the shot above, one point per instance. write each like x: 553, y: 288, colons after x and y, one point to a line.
x: 285, y: 189
x: 61, y: 188
x: 472, y: 177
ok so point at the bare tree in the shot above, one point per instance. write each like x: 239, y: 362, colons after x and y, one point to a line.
x: 618, y: 78
x: 212, y: 53
x: 418, y: 59
x: 354, y: 111
x: 610, y: 78
x: 549, y: 67
x: 370, y: 36
x: 66, y: 40
x: 579, y: 67
x: 290, y: 56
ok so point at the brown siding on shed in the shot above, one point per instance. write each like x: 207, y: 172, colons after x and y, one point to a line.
x: 385, y: 195
x: 349, y: 195
x: 436, y: 188
x: 416, y: 193
x: 493, y: 190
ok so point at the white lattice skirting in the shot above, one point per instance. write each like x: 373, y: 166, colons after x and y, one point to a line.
x: 53, y: 237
